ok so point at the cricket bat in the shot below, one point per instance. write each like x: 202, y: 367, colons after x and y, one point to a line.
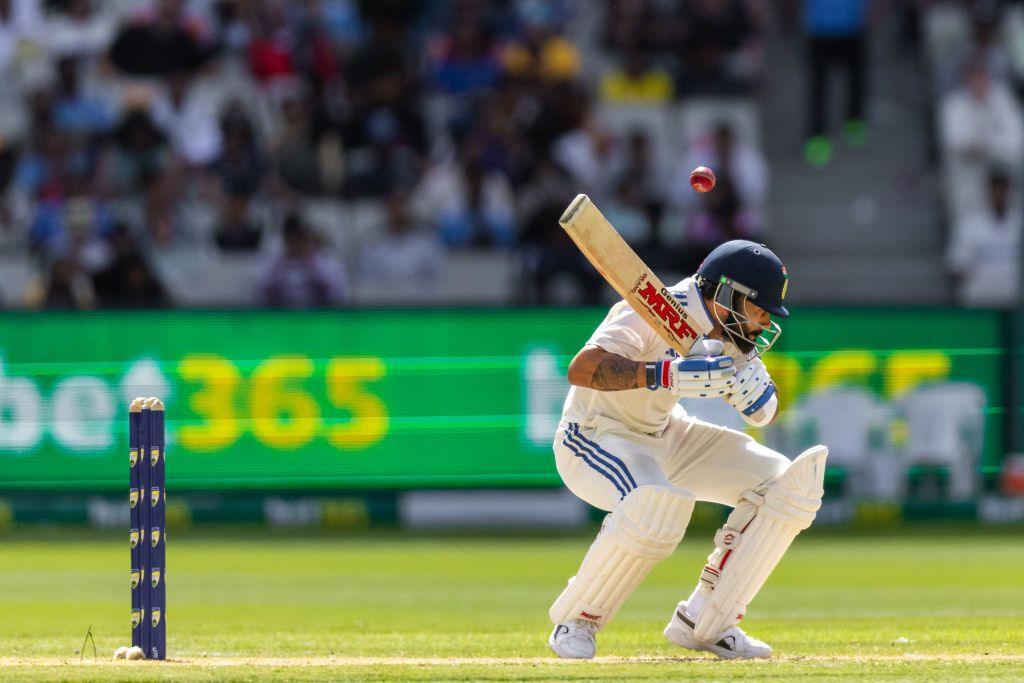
x: 628, y: 274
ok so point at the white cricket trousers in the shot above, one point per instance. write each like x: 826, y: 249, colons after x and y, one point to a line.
x: 603, y: 461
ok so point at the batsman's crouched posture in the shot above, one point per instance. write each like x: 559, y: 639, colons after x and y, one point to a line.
x: 625, y: 445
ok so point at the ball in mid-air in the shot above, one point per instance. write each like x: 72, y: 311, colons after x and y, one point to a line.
x: 702, y: 179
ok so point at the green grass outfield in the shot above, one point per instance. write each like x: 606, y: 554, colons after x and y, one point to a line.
x: 255, y: 605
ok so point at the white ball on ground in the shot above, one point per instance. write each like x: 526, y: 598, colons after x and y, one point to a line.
x: 134, y: 653
x: 120, y: 652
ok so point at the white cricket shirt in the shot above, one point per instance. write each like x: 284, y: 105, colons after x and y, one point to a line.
x: 625, y: 333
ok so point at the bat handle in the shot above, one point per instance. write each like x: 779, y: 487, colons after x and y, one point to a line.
x: 707, y: 347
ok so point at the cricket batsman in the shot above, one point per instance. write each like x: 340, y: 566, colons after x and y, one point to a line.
x: 625, y: 445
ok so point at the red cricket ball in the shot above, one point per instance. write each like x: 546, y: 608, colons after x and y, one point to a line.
x: 702, y: 178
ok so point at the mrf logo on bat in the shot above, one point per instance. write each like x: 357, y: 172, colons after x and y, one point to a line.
x: 662, y: 304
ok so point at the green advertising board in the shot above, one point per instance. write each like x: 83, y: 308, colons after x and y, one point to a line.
x: 891, y: 351
x: 383, y: 399
x: 1018, y: 389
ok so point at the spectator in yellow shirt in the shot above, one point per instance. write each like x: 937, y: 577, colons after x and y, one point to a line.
x: 541, y: 55
x: 637, y: 83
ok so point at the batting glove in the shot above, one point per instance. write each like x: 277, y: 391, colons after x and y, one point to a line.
x: 693, y: 377
x: 753, y: 393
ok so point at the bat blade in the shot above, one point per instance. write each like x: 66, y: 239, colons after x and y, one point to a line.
x: 627, y: 273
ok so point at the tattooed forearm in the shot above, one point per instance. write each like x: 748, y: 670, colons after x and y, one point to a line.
x: 615, y: 373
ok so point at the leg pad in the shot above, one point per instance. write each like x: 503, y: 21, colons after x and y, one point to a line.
x: 756, y: 535
x: 642, y: 530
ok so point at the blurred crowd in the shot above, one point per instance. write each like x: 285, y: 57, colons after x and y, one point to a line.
x: 975, y: 52
x: 328, y: 143
x: 264, y: 152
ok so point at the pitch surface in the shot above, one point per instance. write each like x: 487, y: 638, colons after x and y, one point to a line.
x: 253, y: 605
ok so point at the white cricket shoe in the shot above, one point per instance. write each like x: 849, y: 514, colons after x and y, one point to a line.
x: 732, y: 643
x: 574, y: 639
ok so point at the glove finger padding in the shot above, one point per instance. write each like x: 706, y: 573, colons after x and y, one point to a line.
x: 750, y: 385
x: 709, y: 389
x: 710, y: 367
x: 701, y: 377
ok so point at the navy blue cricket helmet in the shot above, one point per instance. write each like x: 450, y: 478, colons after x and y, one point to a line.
x: 751, y: 269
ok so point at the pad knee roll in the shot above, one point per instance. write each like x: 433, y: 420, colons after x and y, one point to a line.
x: 642, y: 530
x: 756, y: 535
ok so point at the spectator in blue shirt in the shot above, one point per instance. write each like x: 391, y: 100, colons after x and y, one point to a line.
x: 76, y: 111
x: 837, y: 36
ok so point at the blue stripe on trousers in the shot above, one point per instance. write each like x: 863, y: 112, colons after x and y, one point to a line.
x: 595, y: 446
x: 593, y: 465
x: 572, y: 434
